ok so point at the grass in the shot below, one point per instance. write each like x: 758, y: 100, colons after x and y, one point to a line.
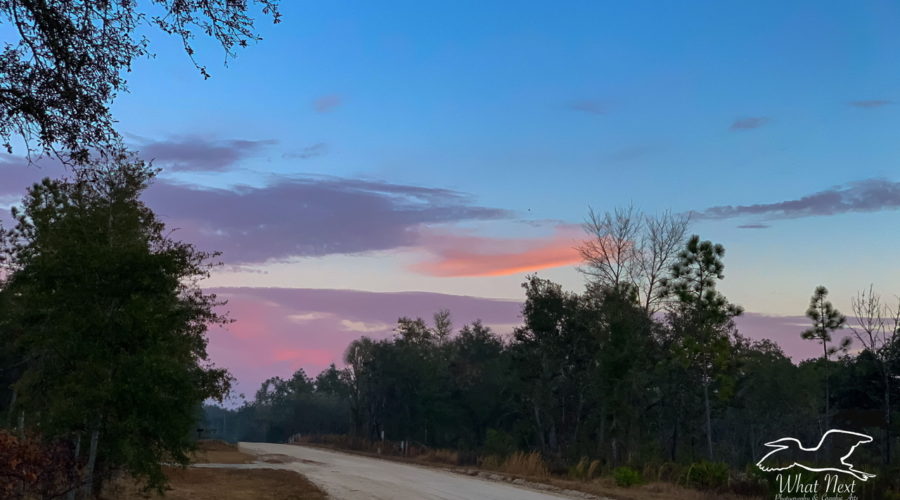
x: 221, y: 484
x: 219, y: 452
x: 526, y: 465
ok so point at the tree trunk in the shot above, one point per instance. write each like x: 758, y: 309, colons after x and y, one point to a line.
x: 540, y: 427
x: 827, y: 390
x: 88, y: 488
x: 12, y: 406
x: 708, y: 421
x: 71, y: 494
x: 887, y: 418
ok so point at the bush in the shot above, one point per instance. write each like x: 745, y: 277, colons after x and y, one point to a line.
x: 626, y: 477
x: 706, y: 475
x: 498, y: 443
x: 31, y: 468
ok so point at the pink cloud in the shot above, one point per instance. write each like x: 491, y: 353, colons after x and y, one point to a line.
x: 279, y: 330
x: 465, y: 255
x: 327, y: 103
x: 319, y: 357
x: 266, y: 339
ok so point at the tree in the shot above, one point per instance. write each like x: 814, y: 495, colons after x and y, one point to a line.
x: 108, y: 314
x: 877, y: 327
x: 67, y: 63
x: 629, y: 246
x: 701, y: 316
x: 553, y: 354
x: 825, y: 320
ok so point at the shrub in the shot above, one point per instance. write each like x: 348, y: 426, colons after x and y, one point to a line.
x: 30, y: 468
x: 626, y: 477
x: 706, y: 475
x: 498, y: 443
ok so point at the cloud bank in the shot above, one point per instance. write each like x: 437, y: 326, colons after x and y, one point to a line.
x: 870, y: 195
x: 312, y: 216
x: 279, y: 330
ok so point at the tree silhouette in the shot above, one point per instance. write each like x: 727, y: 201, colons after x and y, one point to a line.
x: 825, y: 320
x: 701, y: 316
x: 107, y: 312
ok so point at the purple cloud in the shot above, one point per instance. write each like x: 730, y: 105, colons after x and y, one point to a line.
x: 16, y: 175
x: 870, y: 195
x: 327, y: 103
x: 784, y: 331
x: 588, y: 106
x: 749, y: 123
x: 278, y: 330
x: 194, y: 153
x: 297, y: 216
x: 307, y: 216
x: 869, y: 104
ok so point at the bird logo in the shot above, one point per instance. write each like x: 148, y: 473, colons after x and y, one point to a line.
x: 830, y: 455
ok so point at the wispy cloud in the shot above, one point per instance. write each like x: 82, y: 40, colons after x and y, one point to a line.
x: 871, y: 103
x: 589, y: 106
x: 317, y: 149
x: 870, y: 195
x: 196, y: 153
x: 749, y: 123
x: 753, y: 226
x: 326, y: 103
x: 455, y: 255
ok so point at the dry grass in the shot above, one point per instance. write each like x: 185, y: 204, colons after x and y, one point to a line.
x: 526, y: 465
x: 440, y: 456
x: 219, y: 452
x: 651, y: 491
x: 222, y: 484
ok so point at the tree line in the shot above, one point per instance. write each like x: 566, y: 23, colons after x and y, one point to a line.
x: 645, y: 365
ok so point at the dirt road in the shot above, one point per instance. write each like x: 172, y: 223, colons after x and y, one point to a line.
x: 353, y: 477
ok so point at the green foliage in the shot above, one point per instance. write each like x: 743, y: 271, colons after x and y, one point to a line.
x: 706, y: 475
x: 106, y: 310
x: 626, y: 477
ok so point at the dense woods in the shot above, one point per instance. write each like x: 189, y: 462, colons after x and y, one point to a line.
x: 603, y: 374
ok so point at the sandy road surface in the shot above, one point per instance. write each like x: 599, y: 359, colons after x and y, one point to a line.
x: 353, y: 477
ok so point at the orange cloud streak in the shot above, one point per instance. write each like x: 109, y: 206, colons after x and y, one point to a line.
x: 459, y: 256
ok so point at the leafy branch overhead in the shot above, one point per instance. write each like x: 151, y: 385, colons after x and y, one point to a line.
x: 68, y: 60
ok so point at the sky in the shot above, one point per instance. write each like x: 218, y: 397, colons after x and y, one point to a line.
x: 367, y: 161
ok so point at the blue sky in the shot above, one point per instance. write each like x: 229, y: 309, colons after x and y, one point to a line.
x: 545, y: 108
x: 515, y: 117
